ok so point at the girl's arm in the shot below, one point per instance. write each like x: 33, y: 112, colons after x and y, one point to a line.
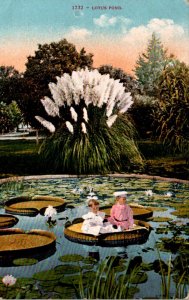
x: 112, y: 211
x: 130, y: 217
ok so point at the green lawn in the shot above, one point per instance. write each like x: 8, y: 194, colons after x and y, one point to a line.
x: 20, y: 157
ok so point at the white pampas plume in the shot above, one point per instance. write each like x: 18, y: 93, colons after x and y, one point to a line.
x: 85, y: 115
x: 84, y: 129
x: 69, y: 126
x: 46, y: 124
x: 73, y: 114
x: 50, y: 107
x: 111, y: 120
x: 125, y: 103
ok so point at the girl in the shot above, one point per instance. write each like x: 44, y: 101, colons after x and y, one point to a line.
x: 121, y: 214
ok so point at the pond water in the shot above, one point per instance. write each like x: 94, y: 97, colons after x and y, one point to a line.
x: 168, y: 200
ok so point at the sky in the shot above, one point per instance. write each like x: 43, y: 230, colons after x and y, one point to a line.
x: 115, y: 31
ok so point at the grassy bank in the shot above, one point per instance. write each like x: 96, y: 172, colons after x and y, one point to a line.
x: 20, y: 157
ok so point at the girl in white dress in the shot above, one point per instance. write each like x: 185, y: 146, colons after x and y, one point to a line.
x: 93, y: 220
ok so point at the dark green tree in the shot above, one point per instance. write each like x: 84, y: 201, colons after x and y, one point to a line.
x: 9, y: 78
x: 130, y: 84
x: 50, y: 60
x: 173, y: 110
x: 150, y: 65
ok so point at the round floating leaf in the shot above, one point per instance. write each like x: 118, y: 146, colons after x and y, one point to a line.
x: 89, y: 260
x: 119, y: 269
x: 73, y: 279
x: 147, y: 266
x: 87, y: 267
x: 91, y: 275
x: 131, y: 292
x: 47, y: 275
x: 25, y: 261
x: 71, y: 258
x: 48, y: 283
x: 33, y: 295
x: 161, y: 219
x: 25, y: 281
x: 139, y: 277
x: 67, y: 269
x: 65, y: 292
x: 183, y: 212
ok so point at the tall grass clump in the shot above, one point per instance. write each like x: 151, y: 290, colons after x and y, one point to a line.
x: 89, y: 128
x: 108, y: 284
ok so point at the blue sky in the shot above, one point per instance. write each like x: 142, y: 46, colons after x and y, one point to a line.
x: 115, y: 36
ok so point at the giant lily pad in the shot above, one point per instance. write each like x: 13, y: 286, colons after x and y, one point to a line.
x: 17, y: 242
x: 33, y: 205
x: 7, y: 221
x: 139, y: 212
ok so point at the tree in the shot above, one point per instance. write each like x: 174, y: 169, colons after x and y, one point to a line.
x: 9, y: 78
x: 173, y: 111
x: 130, y: 84
x: 142, y: 113
x: 150, y: 65
x: 10, y: 116
x: 50, y: 60
x: 89, y: 131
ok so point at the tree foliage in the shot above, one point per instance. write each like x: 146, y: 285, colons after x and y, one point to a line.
x: 142, y: 113
x: 173, y: 112
x: 131, y: 85
x: 49, y: 61
x: 10, y: 116
x: 9, y: 78
x: 150, y: 65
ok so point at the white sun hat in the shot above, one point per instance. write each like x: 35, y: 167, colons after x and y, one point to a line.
x: 120, y: 194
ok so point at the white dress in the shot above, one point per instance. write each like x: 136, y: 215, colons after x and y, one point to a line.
x: 93, y: 224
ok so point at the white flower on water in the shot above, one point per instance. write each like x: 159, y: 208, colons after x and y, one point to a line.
x: 84, y: 129
x: 111, y: 120
x: 9, y: 280
x: 73, y: 114
x: 69, y: 126
x: 46, y: 124
x: 92, y: 197
x: 149, y: 193
x: 169, y: 194
x: 77, y: 191
x: 91, y: 194
x: 85, y: 115
x: 50, y: 211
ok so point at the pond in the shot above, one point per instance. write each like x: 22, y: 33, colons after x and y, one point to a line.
x: 167, y: 241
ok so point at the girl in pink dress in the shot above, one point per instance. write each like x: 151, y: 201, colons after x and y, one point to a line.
x: 121, y: 214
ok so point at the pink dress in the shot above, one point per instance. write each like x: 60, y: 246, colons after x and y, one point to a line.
x: 121, y: 215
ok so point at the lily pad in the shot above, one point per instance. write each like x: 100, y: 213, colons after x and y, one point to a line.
x: 139, y: 277
x: 161, y: 219
x: 147, y: 266
x: 182, y: 212
x: 25, y: 261
x: 65, y: 292
x: 67, y: 269
x: 47, y: 275
x: 71, y: 258
x: 73, y: 279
